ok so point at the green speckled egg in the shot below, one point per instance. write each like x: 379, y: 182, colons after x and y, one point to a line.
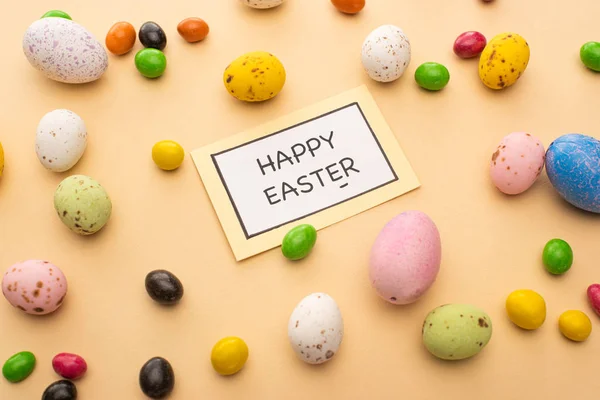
x: 456, y: 331
x: 82, y: 204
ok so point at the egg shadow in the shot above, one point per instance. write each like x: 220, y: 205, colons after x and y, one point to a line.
x: 570, y: 208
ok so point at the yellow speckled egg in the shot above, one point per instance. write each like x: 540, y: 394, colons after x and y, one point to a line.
x: 255, y: 76
x: 503, y: 60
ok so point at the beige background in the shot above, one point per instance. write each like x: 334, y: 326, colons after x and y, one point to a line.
x: 491, y: 244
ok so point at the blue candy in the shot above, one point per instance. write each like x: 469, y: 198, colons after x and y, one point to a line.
x: 573, y: 167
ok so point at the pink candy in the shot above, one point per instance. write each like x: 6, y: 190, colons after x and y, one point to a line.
x: 593, y: 293
x: 69, y: 366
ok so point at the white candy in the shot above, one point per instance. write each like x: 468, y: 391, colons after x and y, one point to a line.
x: 61, y: 140
x: 386, y: 53
x: 262, y: 4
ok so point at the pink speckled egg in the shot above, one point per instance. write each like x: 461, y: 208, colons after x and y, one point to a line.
x: 517, y: 162
x: 405, y: 258
x: 34, y: 286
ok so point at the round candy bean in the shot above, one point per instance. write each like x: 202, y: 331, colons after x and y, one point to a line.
x: 193, y: 29
x: 432, y: 76
x: 157, y: 378
x: 69, y: 366
x: 349, y: 6
x: 164, y: 287
x: 469, y: 44
x: 590, y: 55
x: 56, y: 14
x: 299, y: 242
x: 19, y: 366
x: 526, y: 309
x: 153, y: 36
x: 593, y: 293
x: 575, y: 325
x: 168, y: 155
x: 229, y: 355
x: 120, y: 38
x: 60, y: 390
x: 557, y: 256
x: 151, y: 63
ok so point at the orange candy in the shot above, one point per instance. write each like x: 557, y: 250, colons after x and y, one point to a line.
x: 193, y: 29
x: 120, y: 38
x: 349, y: 6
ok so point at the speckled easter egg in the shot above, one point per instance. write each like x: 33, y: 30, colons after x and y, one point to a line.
x: 35, y: 286
x: 573, y: 167
x: 64, y: 51
x: 517, y: 162
x: 61, y: 140
x: 405, y: 258
x: 386, y: 53
x: 82, y: 204
x: 262, y: 4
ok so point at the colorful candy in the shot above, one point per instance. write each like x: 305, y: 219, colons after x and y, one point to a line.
x: 469, y: 44
x: 60, y: 390
x: 255, y: 76
x: 526, y: 309
x: 152, y: 36
x: 120, y: 38
x: 18, y: 367
x: 151, y: 63
x: 168, y: 155
x: 56, y: 14
x: 590, y: 55
x: 503, y: 60
x: 386, y: 53
x: 69, y: 366
x: 349, y: 6
x: 593, y: 293
x: 299, y: 242
x: 164, y: 287
x: 575, y: 325
x: 229, y: 355
x: 193, y: 29
x: 157, y: 378
x: 557, y: 256
x: 432, y: 76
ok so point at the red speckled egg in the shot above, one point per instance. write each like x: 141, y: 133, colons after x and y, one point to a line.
x: 34, y: 286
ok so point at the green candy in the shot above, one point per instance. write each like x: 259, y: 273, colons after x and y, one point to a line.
x: 432, y: 76
x: 57, y: 14
x: 299, y: 242
x: 19, y: 366
x: 557, y: 256
x: 151, y: 62
x: 590, y: 55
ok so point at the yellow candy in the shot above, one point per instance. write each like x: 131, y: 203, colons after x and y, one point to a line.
x: 229, y: 355
x: 575, y: 325
x: 503, y: 60
x: 1, y: 159
x: 526, y: 309
x: 168, y: 155
x: 256, y: 76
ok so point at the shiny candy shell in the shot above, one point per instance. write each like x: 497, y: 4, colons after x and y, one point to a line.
x: 69, y: 366
x: 60, y: 390
x: 34, y: 286
x: 157, y: 378
x: 18, y: 367
x: 120, y: 38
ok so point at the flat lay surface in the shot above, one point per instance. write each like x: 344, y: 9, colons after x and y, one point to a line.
x: 491, y: 243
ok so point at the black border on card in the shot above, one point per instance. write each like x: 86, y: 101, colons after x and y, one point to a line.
x: 213, y: 156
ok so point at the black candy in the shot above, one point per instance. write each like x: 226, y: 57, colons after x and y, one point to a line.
x: 164, y: 287
x: 157, y: 378
x: 152, y: 36
x: 60, y: 390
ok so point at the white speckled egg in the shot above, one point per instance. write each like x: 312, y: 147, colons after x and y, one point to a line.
x: 61, y: 140
x: 64, y: 51
x: 35, y: 286
x: 316, y: 328
x: 386, y: 53
x: 262, y: 4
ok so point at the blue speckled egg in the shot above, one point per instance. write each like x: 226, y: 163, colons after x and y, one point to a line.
x: 573, y: 167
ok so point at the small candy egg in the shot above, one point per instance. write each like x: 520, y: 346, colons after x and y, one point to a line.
x: 120, y: 38
x: 299, y: 242
x: 517, y: 163
x: 229, y: 355
x: 262, y: 4
x: 34, y: 286
x: 557, y: 256
x: 469, y: 44
x: 168, y: 155
x: 386, y: 53
x: 593, y: 293
x: 590, y: 55
x: 575, y: 325
x: 61, y: 140
x: 503, y: 60
x: 193, y: 29
x: 18, y: 367
x: 526, y: 309
x: 164, y: 287
x: 316, y: 328
x: 432, y: 76
x: 82, y: 204
x: 349, y: 6
x: 255, y: 76
x: 60, y: 390
x: 1, y: 160
x: 157, y: 378
x: 151, y: 63
x: 57, y: 14
x: 69, y: 366
x: 153, y: 36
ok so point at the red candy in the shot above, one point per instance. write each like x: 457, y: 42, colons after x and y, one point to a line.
x: 69, y: 366
x: 593, y: 293
x: 469, y: 44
